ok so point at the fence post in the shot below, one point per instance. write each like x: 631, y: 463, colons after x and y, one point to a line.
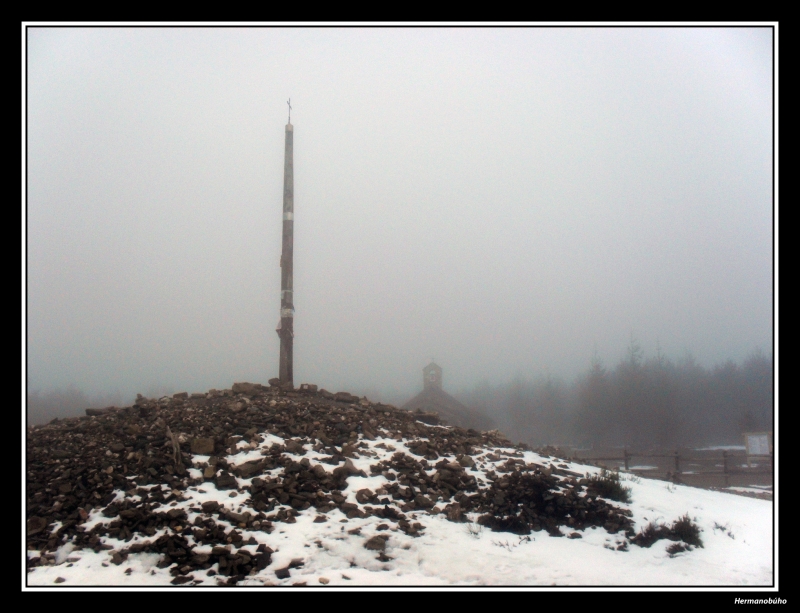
x: 627, y: 455
x: 677, y: 463
x: 725, y: 467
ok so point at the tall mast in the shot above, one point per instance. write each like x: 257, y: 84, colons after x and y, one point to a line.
x: 286, y: 329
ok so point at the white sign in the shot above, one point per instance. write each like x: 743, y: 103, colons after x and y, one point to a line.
x: 757, y: 444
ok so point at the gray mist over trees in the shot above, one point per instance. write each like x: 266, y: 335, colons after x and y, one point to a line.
x: 510, y: 201
x: 640, y: 403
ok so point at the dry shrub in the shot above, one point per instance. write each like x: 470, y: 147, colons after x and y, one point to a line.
x: 607, y: 485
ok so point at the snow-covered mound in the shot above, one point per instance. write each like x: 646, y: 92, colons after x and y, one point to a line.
x: 261, y: 486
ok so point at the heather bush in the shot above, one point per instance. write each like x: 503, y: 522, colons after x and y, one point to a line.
x: 684, y: 530
x: 607, y: 485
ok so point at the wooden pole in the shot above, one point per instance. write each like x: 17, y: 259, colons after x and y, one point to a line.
x: 286, y: 329
x: 725, y: 467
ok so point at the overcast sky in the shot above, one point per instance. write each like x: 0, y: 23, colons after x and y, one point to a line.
x: 506, y: 200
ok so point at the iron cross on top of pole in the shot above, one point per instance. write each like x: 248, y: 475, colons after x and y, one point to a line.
x: 289, y: 102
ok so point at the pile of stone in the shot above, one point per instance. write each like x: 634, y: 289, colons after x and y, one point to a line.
x: 531, y: 498
x: 133, y: 465
x: 521, y: 498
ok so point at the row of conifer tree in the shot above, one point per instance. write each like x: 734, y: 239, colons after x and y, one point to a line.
x: 640, y: 403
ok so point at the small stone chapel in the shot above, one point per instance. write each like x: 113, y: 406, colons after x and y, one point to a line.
x: 433, y: 399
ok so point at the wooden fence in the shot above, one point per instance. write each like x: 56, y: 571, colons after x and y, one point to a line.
x: 690, y: 466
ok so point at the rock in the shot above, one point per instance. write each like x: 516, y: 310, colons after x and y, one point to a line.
x: 248, y: 469
x: 345, y: 397
x: 352, y: 470
x: 364, y: 495
x: 347, y: 507
x: 209, y: 472
x: 237, y: 406
x: 181, y: 396
x: 274, y: 382
x: 294, y: 447
x: 324, y: 580
x: 181, y: 579
x: 308, y: 387
x: 376, y: 543
x: 248, y: 389
x: 202, y: 446
x: 239, y: 517
x: 96, y: 412
x: 466, y: 461
x: 418, y: 447
x: 283, y: 573
x: 176, y: 514
x: 35, y: 525
x: 423, y: 502
x: 299, y: 503
x: 232, y: 441
x: 226, y: 481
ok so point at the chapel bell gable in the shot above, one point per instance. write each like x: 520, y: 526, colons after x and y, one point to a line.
x: 432, y: 376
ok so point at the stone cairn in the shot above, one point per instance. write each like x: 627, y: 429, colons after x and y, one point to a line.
x: 79, y: 465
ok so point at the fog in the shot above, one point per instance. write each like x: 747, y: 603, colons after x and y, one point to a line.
x: 508, y: 201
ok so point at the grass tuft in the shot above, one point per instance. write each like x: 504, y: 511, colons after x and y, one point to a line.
x: 682, y: 531
x: 677, y: 548
x: 607, y: 485
x: 687, y: 531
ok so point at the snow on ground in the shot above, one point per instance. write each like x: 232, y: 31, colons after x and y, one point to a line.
x: 753, y: 489
x: 737, y: 535
x: 722, y: 448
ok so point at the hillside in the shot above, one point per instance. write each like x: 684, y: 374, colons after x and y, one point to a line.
x: 261, y: 486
